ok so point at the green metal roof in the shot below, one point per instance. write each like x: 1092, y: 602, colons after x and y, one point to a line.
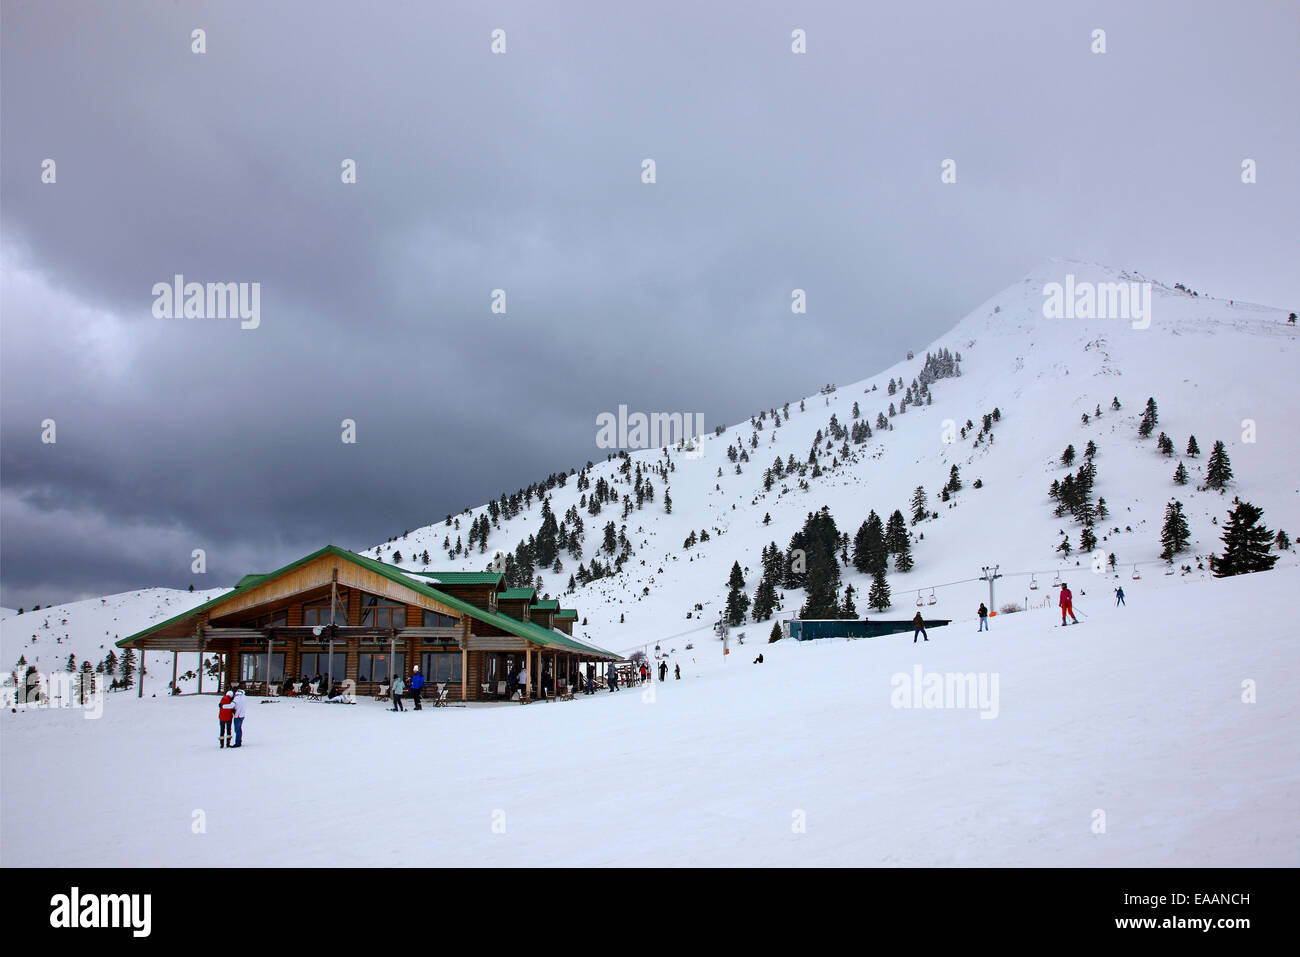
x: 546, y: 604
x: 568, y: 613
x: 517, y: 594
x: 521, y: 629
x: 458, y: 578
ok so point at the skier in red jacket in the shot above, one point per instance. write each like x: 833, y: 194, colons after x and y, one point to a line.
x: 225, y: 714
x: 1067, y: 604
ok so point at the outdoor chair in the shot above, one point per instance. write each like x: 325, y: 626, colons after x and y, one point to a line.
x: 441, y: 700
x: 383, y: 693
x: 313, y: 691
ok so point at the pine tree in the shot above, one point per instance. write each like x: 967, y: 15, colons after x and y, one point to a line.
x: 775, y: 635
x: 1218, y: 470
x: 1283, y: 541
x: 1067, y: 457
x: 1087, y: 539
x: 668, y: 503
x: 903, y: 558
x: 1175, y: 533
x: 1246, y: 543
x: 1180, y: 475
x: 1150, y: 417
x: 848, y: 609
x: 764, y: 599
x: 1064, y: 547
x: 1165, y: 444
x: 896, y: 533
x: 128, y: 667
x: 1193, y: 449
x: 737, y: 600
x: 878, y: 597
x: 920, y: 507
x: 954, y: 480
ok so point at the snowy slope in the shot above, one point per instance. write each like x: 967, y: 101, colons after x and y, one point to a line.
x: 90, y: 628
x: 1122, y: 741
x: 1210, y: 365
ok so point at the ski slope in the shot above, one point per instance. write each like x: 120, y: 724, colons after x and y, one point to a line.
x: 1133, y: 720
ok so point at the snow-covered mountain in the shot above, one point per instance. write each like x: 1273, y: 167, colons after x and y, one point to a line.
x: 1218, y: 369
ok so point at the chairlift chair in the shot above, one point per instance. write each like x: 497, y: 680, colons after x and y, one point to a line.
x: 1136, y: 576
x: 1056, y: 582
x: 1033, y: 583
x: 919, y: 602
x: 932, y: 600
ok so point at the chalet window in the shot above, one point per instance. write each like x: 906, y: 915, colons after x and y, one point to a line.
x: 433, y: 619
x: 374, y: 667
x: 440, y: 666
x: 277, y: 619
x: 254, y: 666
x: 318, y: 613
x: 313, y: 663
x: 377, y: 612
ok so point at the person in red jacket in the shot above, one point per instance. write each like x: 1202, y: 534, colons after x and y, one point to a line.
x: 225, y: 714
x: 1067, y: 603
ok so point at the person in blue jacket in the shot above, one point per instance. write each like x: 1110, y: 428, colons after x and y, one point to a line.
x: 417, y: 684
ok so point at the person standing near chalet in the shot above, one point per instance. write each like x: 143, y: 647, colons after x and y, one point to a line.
x: 611, y: 676
x: 918, y: 623
x: 523, y: 681
x: 1066, y: 601
x: 225, y: 715
x: 399, y: 686
x: 591, y: 678
x: 241, y: 711
x: 663, y: 670
x: 417, y: 683
x: 984, y: 618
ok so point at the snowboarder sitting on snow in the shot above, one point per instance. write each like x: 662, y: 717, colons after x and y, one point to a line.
x: 759, y: 659
x: 984, y: 618
x: 1066, y: 602
x: 919, y: 624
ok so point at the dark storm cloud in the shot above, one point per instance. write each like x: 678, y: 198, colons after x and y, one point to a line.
x: 521, y: 172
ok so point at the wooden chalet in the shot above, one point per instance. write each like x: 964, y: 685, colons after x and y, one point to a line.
x: 350, y: 618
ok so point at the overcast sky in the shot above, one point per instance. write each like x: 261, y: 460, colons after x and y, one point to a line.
x: 522, y: 172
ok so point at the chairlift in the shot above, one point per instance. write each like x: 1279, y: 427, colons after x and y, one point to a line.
x: 1136, y: 576
x: 1056, y: 582
x: 919, y: 602
x: 932, y: 600
x: 1033, y: 583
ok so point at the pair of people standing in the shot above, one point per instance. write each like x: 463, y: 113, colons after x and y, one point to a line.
x: 231, y: 711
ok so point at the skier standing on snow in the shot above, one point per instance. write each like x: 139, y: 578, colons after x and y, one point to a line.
x: 677, y: 671
x: 984, y: 618
x: 241, y: 710
x: 417, y: 684
x: 1066, y: 601
x: 663, y: 670
x: 919, y: 624
x: 1119, y: 597
x: 225, y: 715
x: 399, y: 686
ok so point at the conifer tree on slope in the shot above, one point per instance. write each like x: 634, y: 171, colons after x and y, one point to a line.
x: 878, y: 597
x: 920, y: 508
x: 1246, y: 543
x: 737, y: 600
x: 1150, y: 417
x: 1175, y: 533
x: 1218, y: 470
x: 896, y: 533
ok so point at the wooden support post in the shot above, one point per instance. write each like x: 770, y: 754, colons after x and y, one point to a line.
x: 464, y: 674
x: 176, y: 655
x: 528, y: 672
x: 140, y: 676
